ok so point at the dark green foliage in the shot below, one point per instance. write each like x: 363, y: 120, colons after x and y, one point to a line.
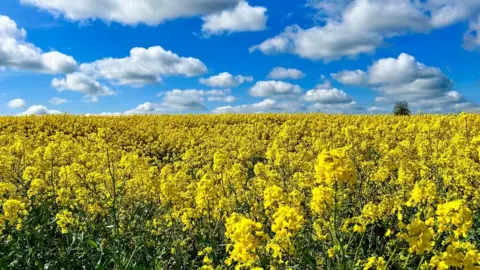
x: 401, y: 108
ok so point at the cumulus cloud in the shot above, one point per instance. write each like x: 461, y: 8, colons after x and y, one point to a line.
x: 351, y: 28
x: 58, y: 101
x: 176, y: 101
x: 471, y: 39
x: 80, y: 82
x: 274, y: 89
x: 325, y: 83
x: 38, y: 110
x: 16, y: 103
x: 281, y: 73
x: 326, y: 99
x: 225, y: 80
x: 377, y: 110
x: 352, y: 77
x: 144, y: 66
x: 350, y: 107
x: 224, y: 99
x: 386, y: 17
x: 327, y: 96
x: 107, y: 114
x: 445, y: 13
x: 267, y: 105
x: 150, y: 12
x: 404, y: 78
x: 16, y: 53
x: 328, y: 8
x: 330, y: 42
x: 147, y: 108
x: 243, y: 18
x: 323, y: 98
x: 184, y: 100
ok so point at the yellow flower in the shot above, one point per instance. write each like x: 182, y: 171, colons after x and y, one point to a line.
x: 273, y: 196
x: 331, y: 252
x: 287, y: 221
x: 322, y: 199
x: 207, y: 260
x: 456, y: 216
x: 6, y: 188
x: 13, y: 211
x: 423, y: 192
x: 359, y: 228
x: 36, y: 187
x: 459, y: 255
x: 246, y: 237
x: 64, y: 219
x: 419, y: 236
x: 377, y: 262
x: 335, y: 167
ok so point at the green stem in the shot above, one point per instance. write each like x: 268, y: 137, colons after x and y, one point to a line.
x: 406, y: 262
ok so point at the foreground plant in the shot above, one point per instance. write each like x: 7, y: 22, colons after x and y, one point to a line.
x: 240, y: 192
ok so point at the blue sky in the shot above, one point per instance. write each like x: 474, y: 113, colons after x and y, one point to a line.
x: 191, y: 56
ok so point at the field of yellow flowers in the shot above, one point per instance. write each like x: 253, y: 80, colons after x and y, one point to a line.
x: 265, y: 191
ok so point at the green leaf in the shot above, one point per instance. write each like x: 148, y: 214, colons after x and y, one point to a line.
x: 92, y: 243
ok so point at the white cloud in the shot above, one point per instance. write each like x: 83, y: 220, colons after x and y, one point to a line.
x: 321, y: 99
x: 471, y: 39
x: 144, y: 66
x: 274, y: 89
x: 80, y: 82
x: 278, y: 44
x: 351, y: 28
x: 327, y: 96
x: 16, y: 103
x: 376, y: 109
x: 105, y: 114
x: 225, y: 80
x: 150, y: 12
x: 351, y: 107
x: 267, y: 105
x: 225, y: 99
x: 147, y: 108
x: 447, y: 12
x: 39, y: 110
x: 58, y: 101
x: 270, y: 105
x: 16, y: 53
x: 330, y: 42
x: 405, y: 79
x: 381, y: 100
x: 243, y: 18
x: 281, y: 73
x: 386, y: 17
x: 219, y: 96
x: 176, y: 101
x: 330, y: 100
x: 110, y: 114
x: 324, y: 84
x: 328, y: 8
x: 351, y: 77
x: 184, y: 100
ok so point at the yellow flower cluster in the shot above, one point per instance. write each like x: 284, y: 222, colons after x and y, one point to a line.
x: 454, y: 216
x: 246, y: 236
x: 335, y: 167
x: 266, y: 191
x: 419, y: 236
x: 375, y: 262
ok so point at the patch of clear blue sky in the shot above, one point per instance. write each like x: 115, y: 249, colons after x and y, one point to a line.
x: 440, y: 48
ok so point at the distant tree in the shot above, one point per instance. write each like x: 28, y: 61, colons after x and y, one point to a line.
x: 401, y: 108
